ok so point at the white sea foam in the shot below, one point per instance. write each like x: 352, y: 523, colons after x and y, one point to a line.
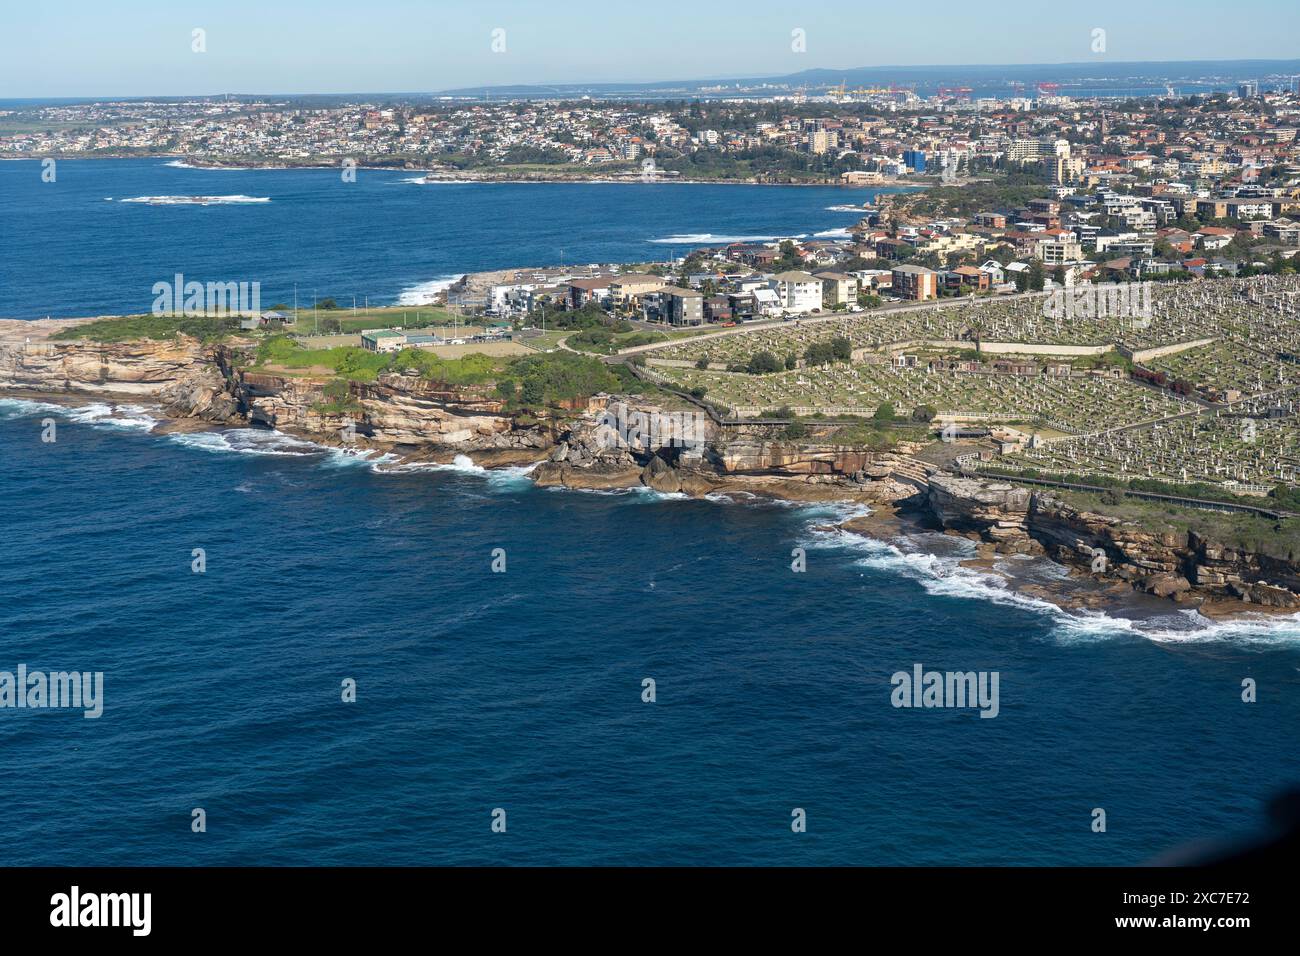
x: 421, y: 181
x: 11, y: 408
x: 512, y: 477
x: 650, y: 494
x: 103, y: 415
x: 1184, y: 626
x: 711, y: 239
x: 857, y: 209
x: 248, y: 441
x: 357, y: 457
x: 181, y: 164
x: 944, y: 576
x: 833, y: 234
x: 424, y: 292
x: 235, y: 200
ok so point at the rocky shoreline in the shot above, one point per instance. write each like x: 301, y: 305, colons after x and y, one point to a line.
x: 451, y: 176
x: 206, y: 387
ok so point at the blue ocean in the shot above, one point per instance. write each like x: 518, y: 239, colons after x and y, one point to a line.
x: 522, y: 690
x: 85, y: 244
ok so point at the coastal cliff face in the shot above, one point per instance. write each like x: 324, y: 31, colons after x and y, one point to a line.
x: 1169, y: 564
x: 395, y: 410
x: 752, y: 455
x: 138, y: 369
x: 591, y: 455
x: 196, y: 381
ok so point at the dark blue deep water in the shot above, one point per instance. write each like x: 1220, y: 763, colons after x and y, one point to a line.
x: 522, y: 690
x: 72, y: 247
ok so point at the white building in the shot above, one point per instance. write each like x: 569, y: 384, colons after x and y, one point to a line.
x: 797, y: 291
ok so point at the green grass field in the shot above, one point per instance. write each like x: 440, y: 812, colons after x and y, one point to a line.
x: 410, y: 317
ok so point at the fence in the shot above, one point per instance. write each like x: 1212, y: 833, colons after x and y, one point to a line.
x: 968, y: 463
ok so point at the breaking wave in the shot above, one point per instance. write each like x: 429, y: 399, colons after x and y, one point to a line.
x: 943, y: 575
x: 236, y: 200
x: 11, y: 408
x: 709, y: 238
x: 423, y: 293
x: 104, y: 415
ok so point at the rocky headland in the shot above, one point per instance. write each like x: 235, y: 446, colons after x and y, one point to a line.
x: 204, y: 385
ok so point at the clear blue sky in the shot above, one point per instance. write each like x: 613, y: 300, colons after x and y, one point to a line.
x: 143, y: 47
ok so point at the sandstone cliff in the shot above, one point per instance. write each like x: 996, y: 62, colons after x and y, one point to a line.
x: 1177, y: 565
x: 137, y: 369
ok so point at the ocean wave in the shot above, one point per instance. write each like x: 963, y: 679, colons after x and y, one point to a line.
x: 248, y: 441
x: 235, y: 200
x: 357, y: 457
x: 833, y: 234
x: 11, y: 408
x: 421, y: 181
x: 857, y: 209
x: 103, y: 415
x: 514, y: 476
x: 943, y: 575
x: 711, y: 239
x: 1184, y: 626
x: 423, y: 293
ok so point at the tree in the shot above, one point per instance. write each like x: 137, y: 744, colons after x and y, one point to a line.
x: 1036, y: 278
x: 819, y: 353
x: 762, y: 363
x: 534, y: 392
x: 884, y: 413
x: 789, y: 257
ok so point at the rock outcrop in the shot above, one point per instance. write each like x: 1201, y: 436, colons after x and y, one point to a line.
x: 137, y: 369
x: 994, y: 511
x: 1167, y: 564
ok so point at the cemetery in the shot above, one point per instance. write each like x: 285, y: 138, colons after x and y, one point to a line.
x: 1248, y: 449
x: 1203, y: 387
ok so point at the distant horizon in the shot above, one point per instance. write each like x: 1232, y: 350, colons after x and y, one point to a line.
x: 564, y: 88
x: 161, y: 48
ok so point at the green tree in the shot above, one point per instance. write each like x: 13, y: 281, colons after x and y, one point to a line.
x: 1036, y: 277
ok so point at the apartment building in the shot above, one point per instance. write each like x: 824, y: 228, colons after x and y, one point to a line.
x: 1059, y: 250
x: 683, y: 307
x: 838, y: 288
x: 915, y: 282
x: 797, y: 291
